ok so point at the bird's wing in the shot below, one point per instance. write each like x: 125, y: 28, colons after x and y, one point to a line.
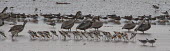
x: 67, y: 23
x: 97, y: 24
x: 16, y: 27
x: 84, y: 25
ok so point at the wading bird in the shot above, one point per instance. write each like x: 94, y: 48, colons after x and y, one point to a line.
x: 17, y: 29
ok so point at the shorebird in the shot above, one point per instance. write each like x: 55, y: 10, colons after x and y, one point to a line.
x: 54, y: 32
x: 133, y: 35
x: 129, y: 26
x: 41, y: 34
x: 144, y: 41
x: 3, y: 34
x: 17, y: 29
x: 33, y: 34
x: 152, y: 41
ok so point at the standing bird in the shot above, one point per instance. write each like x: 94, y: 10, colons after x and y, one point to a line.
x: 96, y: 24
x: 67, y: 24
x: 17, y: 29
x: 144, y: 41
x: 129, y: 26
x: 84, y: 25
x: 54, y: 32
x: 143, y: 26
x: 152, y: 41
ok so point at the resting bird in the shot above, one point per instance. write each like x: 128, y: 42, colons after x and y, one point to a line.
x: 96, y: 24
x: 152, y: 41
x: 84, y: 25
x: 129, y: 26
x: 143, y: 26
x: 17, y: 29
x: 144, y: 41
x: 67, y: 24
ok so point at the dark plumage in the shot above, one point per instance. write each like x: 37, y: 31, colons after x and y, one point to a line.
x: 17, y: 29
x: 143, y: 26
x: 144, y: 41
x: 97, y: 24
x: 152, y: 41
x: 155, y: 6
x: 129, y: 26
x: 67, y: 24
x: 84, y: 25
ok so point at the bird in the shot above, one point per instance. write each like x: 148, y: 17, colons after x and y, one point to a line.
x: 33, y: 34
x: 143, y: 26
x: 54, y: 32
x: 68, y: 24
x: 152, y: 41
x: 129, y: 25
x: 133, y: 35
x: 52, y: 23
x: 3, y: 34
x: 96, y: 24
x: 84, y: 25
x: 144, y: 41
x: 166, y: 13
x: 155, y: 6
x: 17, y: 29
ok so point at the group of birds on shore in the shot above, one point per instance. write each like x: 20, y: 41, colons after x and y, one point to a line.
x: 88, y: 22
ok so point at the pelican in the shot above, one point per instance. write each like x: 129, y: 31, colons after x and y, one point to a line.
x: 17, y: 29
x: 84, y: 25
x: 67, y: 24
x: 143, y: 26
x: 96, y: 24
x: 129, y: 26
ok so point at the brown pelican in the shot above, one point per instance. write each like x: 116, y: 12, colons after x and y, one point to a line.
x: 67, y: 24
x: 143, y: 26
x: 96, y: 24
x: 78, y: 15
x: 17, y: 29
x: 129, y: 25
x: 84, y: 25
